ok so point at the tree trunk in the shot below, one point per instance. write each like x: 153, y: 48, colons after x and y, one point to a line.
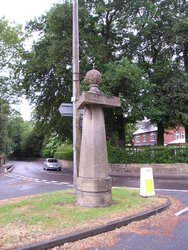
x: 160, y: 137
x: 185, y: 57
x: 186, y: 133
x: 121, y: 130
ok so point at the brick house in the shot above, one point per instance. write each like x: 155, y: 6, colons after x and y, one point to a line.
x: 146, y: 135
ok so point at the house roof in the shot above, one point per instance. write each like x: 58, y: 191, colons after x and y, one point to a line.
x: 150, y: 128
x: 177, y: 141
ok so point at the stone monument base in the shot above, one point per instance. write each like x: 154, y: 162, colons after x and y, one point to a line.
x: 94, y: 192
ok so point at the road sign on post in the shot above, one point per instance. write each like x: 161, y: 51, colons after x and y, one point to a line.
x: 66, y: 109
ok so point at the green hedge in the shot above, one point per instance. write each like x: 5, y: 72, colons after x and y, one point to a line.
x: 148, y: 155
x: 64, y: 155
x: 134, y: 155
x: 46, y: 153
x: 64, y: 152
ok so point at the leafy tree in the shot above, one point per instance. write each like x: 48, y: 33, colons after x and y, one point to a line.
x: 152, y: 46
x: 33, y: 144
x: 19, y: 135
x: 180, y: 33
x: 14, y: 131
x: 4, y: 108
x: 141, y: 31
x: 11, y: 50
x: 124, y: 79
x: 48, y: 69
x: 48, y: 76
x: 177, y: 89
x: 50, y: 145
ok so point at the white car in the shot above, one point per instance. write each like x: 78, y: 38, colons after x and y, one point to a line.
x: 52, y: 164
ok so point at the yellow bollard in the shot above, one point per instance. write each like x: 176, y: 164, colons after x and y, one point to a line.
x: 146, y: 182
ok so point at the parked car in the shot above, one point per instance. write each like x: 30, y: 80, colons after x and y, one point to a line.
x: 52, y: 164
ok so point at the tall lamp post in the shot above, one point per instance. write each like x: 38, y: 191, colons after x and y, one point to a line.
x: 76, y: 93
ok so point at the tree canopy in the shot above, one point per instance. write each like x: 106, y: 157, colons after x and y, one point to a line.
x: 140, y: 47
x: 11, y: 51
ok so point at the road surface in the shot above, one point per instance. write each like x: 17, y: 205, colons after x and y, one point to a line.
x: 158, y: 237
x: 29, y: 178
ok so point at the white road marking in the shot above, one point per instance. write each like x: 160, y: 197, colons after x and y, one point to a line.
x: 68, y: 184
x: 166, y: 190
x: 173, y: 190
x: 21, y: 177
x: 182, y: 211
x: 54, y: 173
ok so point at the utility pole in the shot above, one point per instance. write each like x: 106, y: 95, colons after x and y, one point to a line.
x: 76, y: 94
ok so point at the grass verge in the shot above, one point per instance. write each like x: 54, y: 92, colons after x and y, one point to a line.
x: 41, y: 217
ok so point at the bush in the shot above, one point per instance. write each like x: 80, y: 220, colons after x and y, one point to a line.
x: 64, y: 152
x: 50, y: 145
x: 46, y: 153
x: 133, y: 154
x: 148, y: 155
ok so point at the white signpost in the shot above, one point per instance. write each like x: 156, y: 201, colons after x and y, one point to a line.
x: 146, y: 182
x: 66, y: 109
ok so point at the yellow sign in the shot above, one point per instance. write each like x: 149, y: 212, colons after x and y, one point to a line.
x: 149, y: 186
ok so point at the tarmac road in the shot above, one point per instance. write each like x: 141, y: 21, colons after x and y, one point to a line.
x: 29, y: 178
x: 154, y: 240
x: 178, y: 182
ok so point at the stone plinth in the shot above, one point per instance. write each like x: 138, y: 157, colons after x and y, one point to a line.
x: 88, y: 98
x: 93, y: 192
x: 94, y: 183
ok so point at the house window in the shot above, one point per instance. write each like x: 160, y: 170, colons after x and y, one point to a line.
x: 177, y: 135
x: 137, y: 138
x: 182, y: 135
x: 152, y: 137
x: 144, y: 137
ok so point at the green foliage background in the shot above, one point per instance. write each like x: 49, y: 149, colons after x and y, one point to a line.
x: 140, y: 47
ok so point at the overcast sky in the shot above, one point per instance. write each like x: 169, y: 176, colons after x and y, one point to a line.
x: 22, y: 11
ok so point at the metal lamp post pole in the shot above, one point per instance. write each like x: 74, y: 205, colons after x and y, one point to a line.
x: 76, y: 93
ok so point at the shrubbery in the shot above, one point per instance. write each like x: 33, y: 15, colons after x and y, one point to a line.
x: 148, y: 155
x: 53, y: 147
x: 64, y: 152
x: 50, y: 145
x: 128, y: 155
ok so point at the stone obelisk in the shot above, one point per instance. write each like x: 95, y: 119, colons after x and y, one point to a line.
x: 94, y: 183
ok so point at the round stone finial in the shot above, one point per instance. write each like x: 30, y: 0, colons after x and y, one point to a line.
x: 93, y: 78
